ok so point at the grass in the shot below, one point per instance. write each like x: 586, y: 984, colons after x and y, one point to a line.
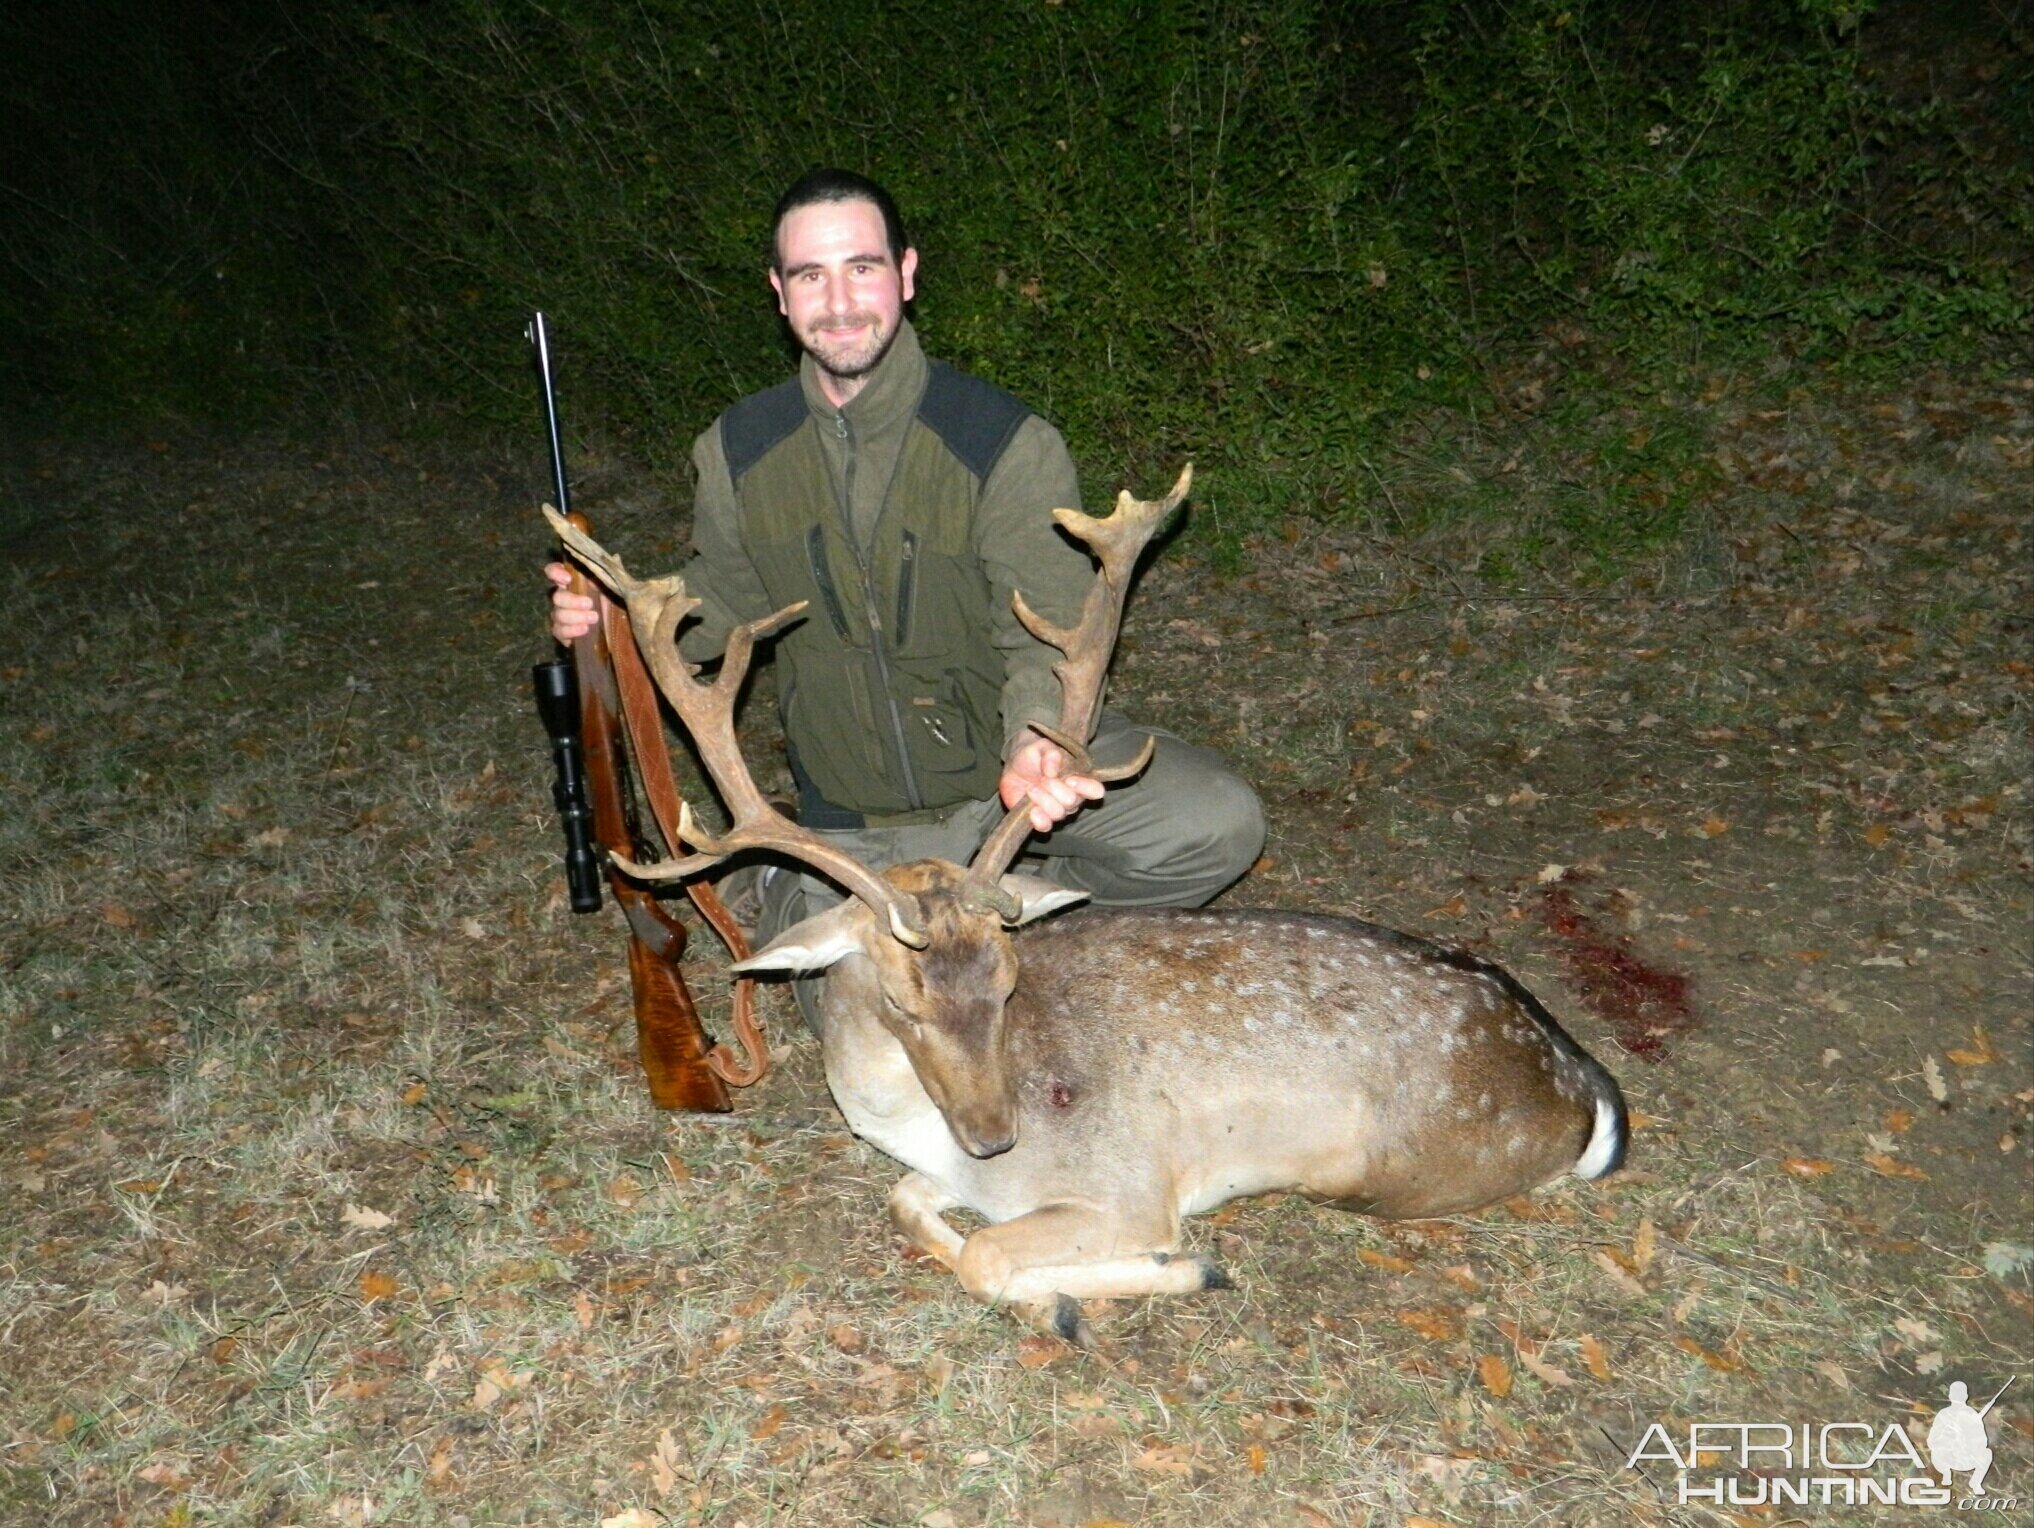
x: 285, y: 951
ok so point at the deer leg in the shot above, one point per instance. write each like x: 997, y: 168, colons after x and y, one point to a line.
x: 917, y: 1210
x: 1062, y: 1253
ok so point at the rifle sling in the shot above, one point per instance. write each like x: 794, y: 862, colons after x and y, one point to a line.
x: 645, y: 723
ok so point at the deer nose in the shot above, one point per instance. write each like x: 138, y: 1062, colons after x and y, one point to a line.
x: 989, y: 1145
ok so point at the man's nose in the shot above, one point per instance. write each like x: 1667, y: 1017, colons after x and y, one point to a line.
x: 838, y: 298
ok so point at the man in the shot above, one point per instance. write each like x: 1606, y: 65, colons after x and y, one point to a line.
x: 907, y: 501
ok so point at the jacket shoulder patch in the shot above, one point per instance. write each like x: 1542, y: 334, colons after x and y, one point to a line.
x: 975, y: 419
x: 751, y: 427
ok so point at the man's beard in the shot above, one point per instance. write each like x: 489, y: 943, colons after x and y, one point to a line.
x: 855, y: 363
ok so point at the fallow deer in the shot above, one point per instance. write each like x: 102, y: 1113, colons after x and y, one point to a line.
x: 1083, y: 1082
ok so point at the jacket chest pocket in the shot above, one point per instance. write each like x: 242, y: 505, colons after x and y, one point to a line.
x: 937, y: 604
x: 797, y: 567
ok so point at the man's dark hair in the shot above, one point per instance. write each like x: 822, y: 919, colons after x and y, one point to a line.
x: 825, y: 185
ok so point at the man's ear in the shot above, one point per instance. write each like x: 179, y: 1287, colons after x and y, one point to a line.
x: 777, y: 286
x: 1039, y: 896
x: 805, y: 947
x: 907, y: 271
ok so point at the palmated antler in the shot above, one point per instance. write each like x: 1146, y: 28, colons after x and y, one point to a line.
x: 1116, y: 543
x: 657, y: 608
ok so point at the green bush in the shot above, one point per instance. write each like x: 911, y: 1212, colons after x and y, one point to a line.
x: 1251, y: 232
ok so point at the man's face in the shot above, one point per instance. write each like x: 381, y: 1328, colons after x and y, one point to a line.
x: 838, y: 286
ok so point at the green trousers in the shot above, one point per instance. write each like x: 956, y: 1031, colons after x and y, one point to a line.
x: 1173, y: 837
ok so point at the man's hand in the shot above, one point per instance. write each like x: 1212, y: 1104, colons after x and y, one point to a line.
x: 1037, y: 772
x: 572, y: 615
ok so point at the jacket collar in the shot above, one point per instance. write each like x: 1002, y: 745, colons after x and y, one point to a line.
x: 891, y: 394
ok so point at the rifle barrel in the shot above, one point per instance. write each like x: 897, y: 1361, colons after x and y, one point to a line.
x: 540, y: 344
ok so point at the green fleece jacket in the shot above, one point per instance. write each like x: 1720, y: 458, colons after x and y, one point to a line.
x: 908, y: 680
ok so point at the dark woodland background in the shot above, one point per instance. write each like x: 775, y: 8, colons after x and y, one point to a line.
x: 1261, y: 233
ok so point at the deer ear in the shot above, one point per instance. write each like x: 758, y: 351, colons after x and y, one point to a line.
x: 805, y: 947
x: 1038, y: 896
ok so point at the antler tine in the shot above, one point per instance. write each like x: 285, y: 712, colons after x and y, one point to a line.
x: 1116, y: 543
x: 657, y: 607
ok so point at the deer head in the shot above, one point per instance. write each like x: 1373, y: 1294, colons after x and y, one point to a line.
x: 924, y: 947
x: 943, y: 1004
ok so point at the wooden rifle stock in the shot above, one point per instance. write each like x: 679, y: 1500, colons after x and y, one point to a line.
x: 669, y: 1038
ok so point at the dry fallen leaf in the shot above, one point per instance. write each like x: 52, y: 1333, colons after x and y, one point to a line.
x: 361, y: 1218
x: 1593, y: 1356
x: 664, y: 1463
x: 1605, y: 1260
x: 1035, y: 1352
x: 635, y: 1517
x: 1980, y: 1052
x: 1436, y: 1325
x: 1167, y: 1459
x: 1643, y: 1246
x: 768, y: 1423
x: 1808, y: 1167
x: 1254, y: 1457
x: 1714, y: 1360
x: 1546, y: 1373
x: 376, y: 1286
x: 1383, y: 1260
x: 848, y: 1339
x: 1893, y: 1167
x: 1495, y: 1374
x: 1931, y: 1073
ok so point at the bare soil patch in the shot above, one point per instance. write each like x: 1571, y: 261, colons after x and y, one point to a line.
x: 333, y: 1195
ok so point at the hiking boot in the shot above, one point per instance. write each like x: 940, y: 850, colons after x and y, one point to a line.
x: 741, y: 891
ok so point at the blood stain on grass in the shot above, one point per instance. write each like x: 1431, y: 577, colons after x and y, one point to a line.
x: 1642, y: 1003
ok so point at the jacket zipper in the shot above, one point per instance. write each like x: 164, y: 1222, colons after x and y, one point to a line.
x: 907, y: 576
x: 815, y: 556
x: 843, y: 433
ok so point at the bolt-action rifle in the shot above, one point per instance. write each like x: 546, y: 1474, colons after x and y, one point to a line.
x: 600, y: 709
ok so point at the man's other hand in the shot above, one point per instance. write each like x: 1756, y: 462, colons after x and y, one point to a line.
x: 572, y: 615
x: 1036, y: 772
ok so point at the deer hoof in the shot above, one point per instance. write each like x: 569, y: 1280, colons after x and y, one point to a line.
x: 1214, y: 1275
x: 1068, y: 1324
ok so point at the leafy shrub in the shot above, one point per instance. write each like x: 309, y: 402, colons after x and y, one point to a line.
x: 1248, y: 231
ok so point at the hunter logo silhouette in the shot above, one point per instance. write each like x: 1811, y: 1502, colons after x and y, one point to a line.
x: 1957, y: 1438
